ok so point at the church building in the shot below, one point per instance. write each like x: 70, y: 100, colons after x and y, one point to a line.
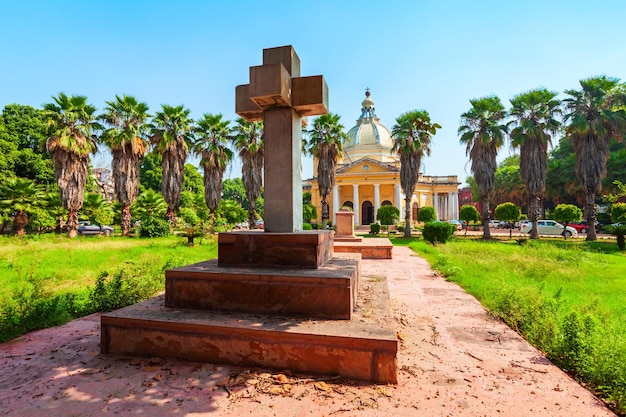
x: 368, y: 176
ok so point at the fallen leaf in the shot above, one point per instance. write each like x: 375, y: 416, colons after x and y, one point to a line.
x: 252, y: 381
x: 322, y: 386
x: 400, y: 336
x: 281, y: 378
x: 276, y: 390
x: 385, y: 391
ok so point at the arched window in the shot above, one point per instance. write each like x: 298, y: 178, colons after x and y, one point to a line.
x: 348, y: 203
x: 386, y: 203
x: 414, y: 211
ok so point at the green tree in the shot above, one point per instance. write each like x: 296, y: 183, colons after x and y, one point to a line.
x: 388, y: 215
x: 149, y: 204
x: 567, y: 213
x: 534, y: 116
x: 412, y: 135
x: 172, y: 137
x: 20, y: 197
x: 509, y: 213
x: 426, y: 214
x: 468, y: 213
x: 150, y: 173
x: 127, y: 140
x: 508, y: 184
x: 326, y: 145
x: 248, y: 141
x: 483, y: 132
x: 595, y: 114
x: 71, y: 126
x: 212, y: 134
x: 618, y: 212
x: 232, y: 211
x: 56, y: 209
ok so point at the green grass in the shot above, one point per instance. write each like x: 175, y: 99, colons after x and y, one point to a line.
x: 68, y: 264
x: 567, y: 298
x: 48, y: 280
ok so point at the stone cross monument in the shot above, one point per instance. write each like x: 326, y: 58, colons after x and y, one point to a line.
x: 280, y: 97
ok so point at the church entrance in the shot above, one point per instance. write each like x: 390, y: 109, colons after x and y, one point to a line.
x: 367, y: 213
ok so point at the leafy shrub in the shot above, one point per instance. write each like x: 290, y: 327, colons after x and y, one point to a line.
x: 426, y: 214
x: 400, y: 228
x: 439, y: 232
x: 154, y: 227
x: 374, y: 229
x: 307, y: 226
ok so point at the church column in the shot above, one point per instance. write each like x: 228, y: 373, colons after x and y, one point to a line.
x: 335, y: 202
x: 376, y: 199
x: 355, y: 204
x: 455, y: 197
x: 450, y: 207
x: 396, y: 196
x: 436, y: 204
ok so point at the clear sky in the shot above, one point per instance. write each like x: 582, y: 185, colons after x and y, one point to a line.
x: 432, y: 55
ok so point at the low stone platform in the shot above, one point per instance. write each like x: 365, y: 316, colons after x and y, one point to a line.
x: 374, y: 248
x: 363, y: 348
x: 326, y: 292
x: 307, y: 249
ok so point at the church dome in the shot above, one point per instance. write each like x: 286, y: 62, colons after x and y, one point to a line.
x: 368, y: 129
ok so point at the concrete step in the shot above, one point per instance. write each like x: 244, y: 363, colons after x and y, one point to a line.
x: 363, y: 348
x: 326, y: 292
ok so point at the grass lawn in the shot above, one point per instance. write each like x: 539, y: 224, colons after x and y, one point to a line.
x: 67, y: 264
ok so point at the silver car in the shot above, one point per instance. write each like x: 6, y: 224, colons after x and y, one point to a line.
x: 549, y: 227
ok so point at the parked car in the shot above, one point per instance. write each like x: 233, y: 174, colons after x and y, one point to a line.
x: 259, y: 224
x: 493, y: 224
x: 86, y: 228
x: 549, y: 227
x: 582, y: 226
x: 242, y: 225
x: 506, y: 225
x: 457, y: 223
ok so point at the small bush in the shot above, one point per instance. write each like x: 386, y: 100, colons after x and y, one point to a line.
x: 400, y: 228
x: 154, y: 227
x: 438, y: 232
x: 307, y: 226
x: 374, y: 228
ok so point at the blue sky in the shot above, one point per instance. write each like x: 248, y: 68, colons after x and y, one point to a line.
x: 432, y: 55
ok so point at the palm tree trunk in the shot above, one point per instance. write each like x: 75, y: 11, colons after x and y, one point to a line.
x: 591, y: 215
x: 72, y: 224
x: 407, y: 217
x: 485, y: 206
x: 533, y: 211
x: 20, y: 221
x: 325, y: 212
x: 126, y: 220
x: 252, y: 216
x: 171, y: 217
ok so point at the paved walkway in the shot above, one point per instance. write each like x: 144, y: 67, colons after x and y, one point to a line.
x: 454, y: 361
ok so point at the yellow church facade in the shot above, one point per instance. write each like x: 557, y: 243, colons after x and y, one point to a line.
x: 368, y: 177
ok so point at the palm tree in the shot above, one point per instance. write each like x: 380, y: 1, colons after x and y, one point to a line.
x: 172, y: 137
x: 71, y: 124
x: 595, y: 115
x: 211, y: 135
x: 326, y: 144
x: 126, y: 137
x: 412, y: 136
x: 483, y: 134
x: 150, y: 204
x: 21, y: 197
x: 535, y: 123
x: 248, y: 140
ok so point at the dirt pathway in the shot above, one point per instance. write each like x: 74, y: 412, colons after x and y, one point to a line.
x: 454, y: 361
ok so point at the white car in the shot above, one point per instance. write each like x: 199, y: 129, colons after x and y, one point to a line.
x: 549, y: 227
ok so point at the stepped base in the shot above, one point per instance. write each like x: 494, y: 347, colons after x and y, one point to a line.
x: 308, y: 249
x: 374, y: 248
x: 364, y: 348
x: 327, y: 292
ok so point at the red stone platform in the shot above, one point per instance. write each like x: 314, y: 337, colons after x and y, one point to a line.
x: 370, y: 248
x: 327, y: 292
x: 306, y: 249
x: 363, y: 348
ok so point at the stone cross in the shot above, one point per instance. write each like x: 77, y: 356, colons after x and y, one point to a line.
x: 279, y: 97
